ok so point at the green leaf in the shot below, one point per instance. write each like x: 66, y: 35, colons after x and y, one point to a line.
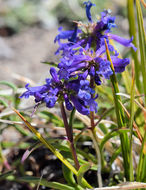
x: 141, y: 169
x: 132, y: 32
x: 81, y: 173
x: 120, y: 117
x: 111, y: 135
x: 142, y: 44
x: 115, y: 154
x: 4, y: 103
x: 51, y: 148
x: 131, y: 123
x: 5, y: 175
x: 51, y: 117
x: 9, y: 84
x: 68, y: 175
x: 71, y: 119
x: 44, y: 182
x: 50, y: 63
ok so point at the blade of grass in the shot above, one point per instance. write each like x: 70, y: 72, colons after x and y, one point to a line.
x: 44, y: 182
x: 115, y: 155
x: 134, y: 124
x: 142, y: 44
x: 131, y: 123
x: 49, y: 146
x: 111, y: 135
x: 132, y: 32
x: 141, y: 166
x: 120, y: 118
x: 81, y: 172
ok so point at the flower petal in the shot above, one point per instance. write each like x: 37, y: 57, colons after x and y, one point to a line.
x: 123, y: 41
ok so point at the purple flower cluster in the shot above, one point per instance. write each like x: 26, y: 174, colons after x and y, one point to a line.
x: 83, y: 55
x: 75, y: 92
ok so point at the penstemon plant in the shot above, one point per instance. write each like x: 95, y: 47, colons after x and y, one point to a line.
x: 88, y: 57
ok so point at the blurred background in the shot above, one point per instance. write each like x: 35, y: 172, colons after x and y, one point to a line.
x: 27, y: 32
x: 28, y: 29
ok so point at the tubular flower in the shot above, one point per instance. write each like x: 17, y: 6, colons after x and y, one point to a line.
x: 74, y: 92
x: 87, y: 50
x: 83, y: 55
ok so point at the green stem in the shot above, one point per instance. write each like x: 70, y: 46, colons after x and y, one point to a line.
x: 142, y: 42
x: 132, y: 32
x: 69, y: 133
x: 98, y: 154
x: 120, y: 118
x: 140, y: 168
x: 131, y: 126
x: 95, y: 141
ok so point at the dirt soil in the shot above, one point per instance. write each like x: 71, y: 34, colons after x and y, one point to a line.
x: 22, y: 54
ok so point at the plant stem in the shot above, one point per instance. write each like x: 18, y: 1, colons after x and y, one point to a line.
x: 69, y: 133
x: 141, y: 168
x: 131, y: 123
x: 98, y: 154
x: 95, y: 141
x: 132, y: 32
x: 120, y: 118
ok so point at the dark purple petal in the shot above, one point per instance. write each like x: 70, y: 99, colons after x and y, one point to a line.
x: 119, y: 64
x: 104, y: 68
x: 31, y: 91
x: 63, y: 34
x: 123, y: 41
x: 68, y: 104
x: 92, y: 71
x: 74, y: 35
x: 54, y: 75
x: 88, y: 4
x: 97, y: 79
x: 63, y: 74
x: 83, y: 94
x: 92, y: 105
x: 50, y: 101
x: 79, y: 106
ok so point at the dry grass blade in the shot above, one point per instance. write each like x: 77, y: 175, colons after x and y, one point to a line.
x: 144, y: 4
x: 124, y: 186
x: 139, y: 104
x: 134, y: 124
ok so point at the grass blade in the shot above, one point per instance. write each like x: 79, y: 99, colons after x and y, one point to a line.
x: 44, y: 182
x: 81, y: 172
x: 132, y: 32
x: 131, y: 124
x: 142, y: 44
x: 120, y: 117
x: 50, y: 147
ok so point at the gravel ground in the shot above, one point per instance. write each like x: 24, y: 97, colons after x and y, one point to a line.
x: 23, y: 53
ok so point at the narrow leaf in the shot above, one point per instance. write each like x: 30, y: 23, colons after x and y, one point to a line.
x: 9, y: 84
x: 142, y: 44
x: 50, y: 63
x: 44, y: 182
x: 81, y: 172
x: 49, y: 146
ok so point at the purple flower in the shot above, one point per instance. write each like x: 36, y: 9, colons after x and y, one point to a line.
x: 50, y: 100
x: 107, y: 21
x: 88, y: 4
x: 74, y: 91
x: 37, y: 91
x: 79, y: 105
x: 119, y: 64
x: 54, y: 75
x: 104, y: 68
x: 68, y: 104
x: 123, y: 41
x: 63, y: 34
